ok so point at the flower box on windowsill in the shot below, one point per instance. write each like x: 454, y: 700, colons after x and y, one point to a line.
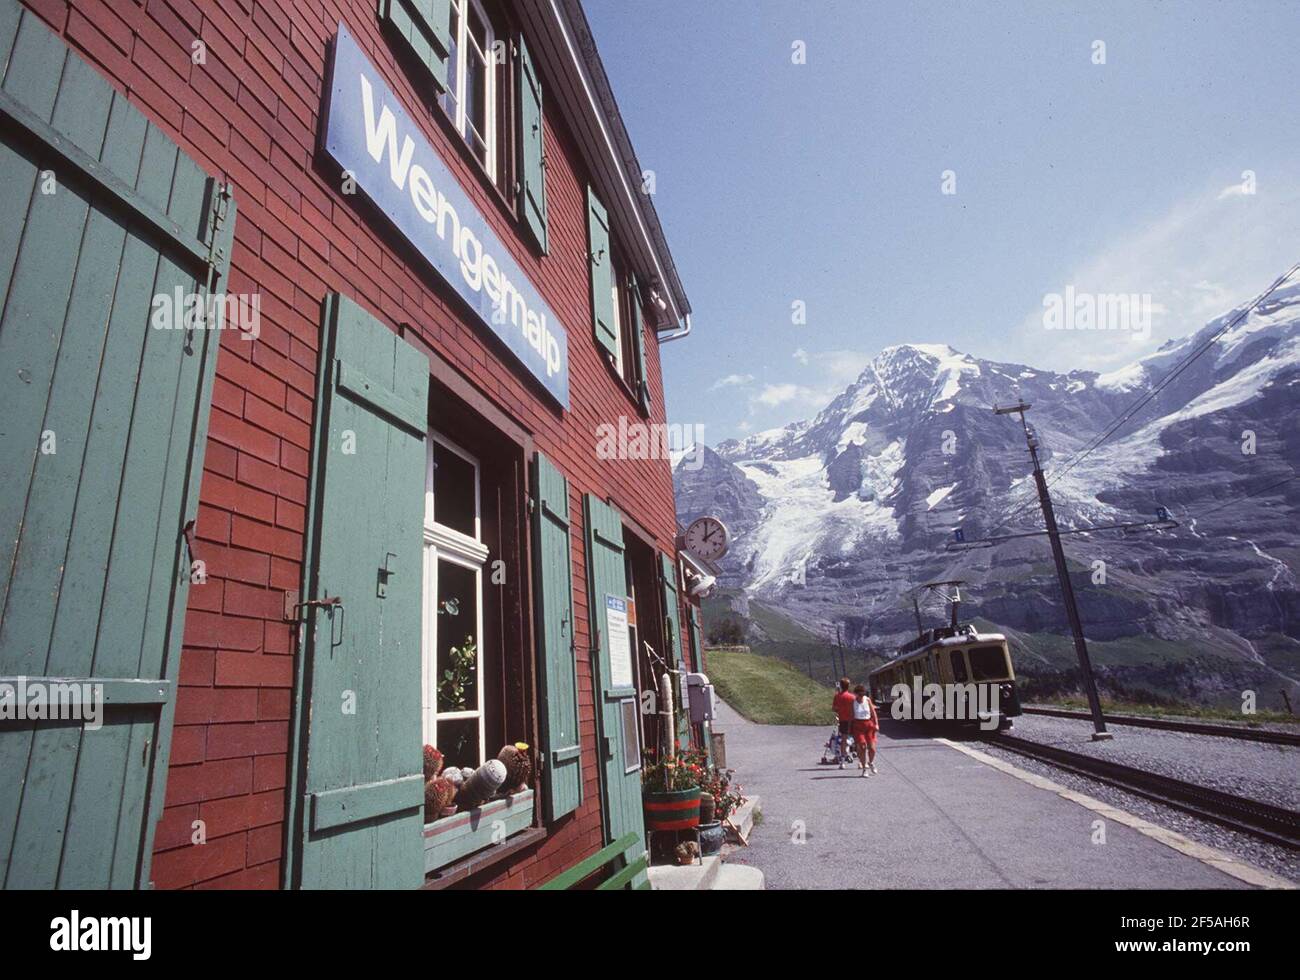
x: 451, y: 838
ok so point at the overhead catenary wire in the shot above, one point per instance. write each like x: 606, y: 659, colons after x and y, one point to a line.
x: 1080, y: 455
x: 1168, y: 379
x: 1245, y: 496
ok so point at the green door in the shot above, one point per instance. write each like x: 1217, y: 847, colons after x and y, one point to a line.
x: 103, y: 421
x: 615, y: 688
x: 673, y: 644
x: 362, y: 801
x: 561, y: 748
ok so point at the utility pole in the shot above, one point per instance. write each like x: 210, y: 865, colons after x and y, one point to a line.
x: 1062, y: 573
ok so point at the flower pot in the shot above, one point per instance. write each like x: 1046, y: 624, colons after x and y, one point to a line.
x: 678, y: 810
x: 707, y: 806
x: 711, y: 838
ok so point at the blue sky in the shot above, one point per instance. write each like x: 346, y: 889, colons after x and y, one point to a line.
x: 821, y: 182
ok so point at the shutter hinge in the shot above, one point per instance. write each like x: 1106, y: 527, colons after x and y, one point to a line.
x: 385, y: 573
x: 217, y: 215
x: 188, y: 533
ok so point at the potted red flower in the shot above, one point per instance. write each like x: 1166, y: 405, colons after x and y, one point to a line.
x: 670, y: 791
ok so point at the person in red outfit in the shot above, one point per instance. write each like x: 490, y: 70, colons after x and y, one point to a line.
x: 843, y: 705
x: 866, y: 723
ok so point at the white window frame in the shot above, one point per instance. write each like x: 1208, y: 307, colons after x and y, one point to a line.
x: 458, y: 84
x: 618, y: 327
x: 442, y: 543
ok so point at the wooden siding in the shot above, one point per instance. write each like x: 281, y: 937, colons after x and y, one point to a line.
x: 251, y: 111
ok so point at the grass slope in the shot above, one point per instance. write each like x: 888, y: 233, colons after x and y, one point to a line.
x: 767, y: 690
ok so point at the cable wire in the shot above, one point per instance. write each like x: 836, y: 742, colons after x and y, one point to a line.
x: 1169, y: 378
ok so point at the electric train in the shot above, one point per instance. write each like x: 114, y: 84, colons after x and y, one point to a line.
x: 949, y: 673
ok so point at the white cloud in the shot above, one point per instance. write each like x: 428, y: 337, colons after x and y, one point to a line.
x: 834, y: 370
x: 732, y: 381
x: 774, y: 395
x: 1200, y: 258
x: 840, y: 367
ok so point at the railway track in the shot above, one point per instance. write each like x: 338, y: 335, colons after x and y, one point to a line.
x: 1263, y: 820
x: 1191, y: 727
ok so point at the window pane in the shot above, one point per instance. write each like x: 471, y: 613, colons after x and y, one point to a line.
x: 477, y: 28
x: 458, y: 742
x: 454, y: 503
x: 457, y: 638
x: 476, y: 101
x: 631, y: 738
x: 958, y: 666
x: 477, y: 145
x: 988, y: 663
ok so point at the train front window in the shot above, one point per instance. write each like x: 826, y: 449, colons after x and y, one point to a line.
x: 987, y: 663
x: 958, y: 666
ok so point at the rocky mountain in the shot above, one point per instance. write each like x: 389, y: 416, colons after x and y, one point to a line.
x: 837, y: 517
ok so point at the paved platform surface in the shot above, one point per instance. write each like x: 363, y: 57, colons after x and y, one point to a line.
x: 933, y: 818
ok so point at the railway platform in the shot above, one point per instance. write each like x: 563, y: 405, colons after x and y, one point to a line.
x: 944, y: 815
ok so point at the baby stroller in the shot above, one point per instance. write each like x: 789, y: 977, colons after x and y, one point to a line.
x: 838, y: 748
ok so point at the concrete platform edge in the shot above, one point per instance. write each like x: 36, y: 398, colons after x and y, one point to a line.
x: 1211, y: 856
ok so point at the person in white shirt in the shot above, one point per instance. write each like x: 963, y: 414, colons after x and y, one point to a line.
x: 866, y: 723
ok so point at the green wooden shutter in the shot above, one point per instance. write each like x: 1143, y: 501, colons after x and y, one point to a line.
x: 362, y: 806
x: 101, y: 215
x: 532, y: 146
x: 697, y: 638
x: 601, y: 260
x: 620, y: 761
x: 425, y: 27
x: 638, y: 344
x: 553, y: 581
x: 673, y: 638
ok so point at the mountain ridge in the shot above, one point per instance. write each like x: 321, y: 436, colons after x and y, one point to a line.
x: 836, y: 516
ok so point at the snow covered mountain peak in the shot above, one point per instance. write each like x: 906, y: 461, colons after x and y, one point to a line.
x: 842, y: 513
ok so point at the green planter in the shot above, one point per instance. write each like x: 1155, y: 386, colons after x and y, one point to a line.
x: 678, y: 810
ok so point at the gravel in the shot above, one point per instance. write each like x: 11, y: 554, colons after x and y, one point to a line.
x: 1263, y: 726
x: 1270, y: 773
x: 1258, y: 770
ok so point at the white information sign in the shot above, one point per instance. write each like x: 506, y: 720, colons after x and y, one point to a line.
x: 620, y: 644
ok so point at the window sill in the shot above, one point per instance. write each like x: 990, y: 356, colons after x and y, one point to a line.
x: 482, y: 860
x: 465, y: 832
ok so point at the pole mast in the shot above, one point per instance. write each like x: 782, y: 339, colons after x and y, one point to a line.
x: 1062, y: 573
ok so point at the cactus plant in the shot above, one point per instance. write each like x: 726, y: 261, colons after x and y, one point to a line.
x: 482, y: 785
x: 438, y: 794
x: 432, y: 762
x: 519, y: 766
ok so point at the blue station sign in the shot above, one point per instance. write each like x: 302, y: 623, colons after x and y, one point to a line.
x: 372, y: 139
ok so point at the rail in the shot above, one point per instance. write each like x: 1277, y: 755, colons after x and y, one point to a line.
x: 1167, y: 724
x: 1263, y: 820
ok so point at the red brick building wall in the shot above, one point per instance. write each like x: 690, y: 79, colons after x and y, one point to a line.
x: 251, y: 112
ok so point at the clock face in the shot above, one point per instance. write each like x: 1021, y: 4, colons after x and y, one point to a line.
x: 707, y: 538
